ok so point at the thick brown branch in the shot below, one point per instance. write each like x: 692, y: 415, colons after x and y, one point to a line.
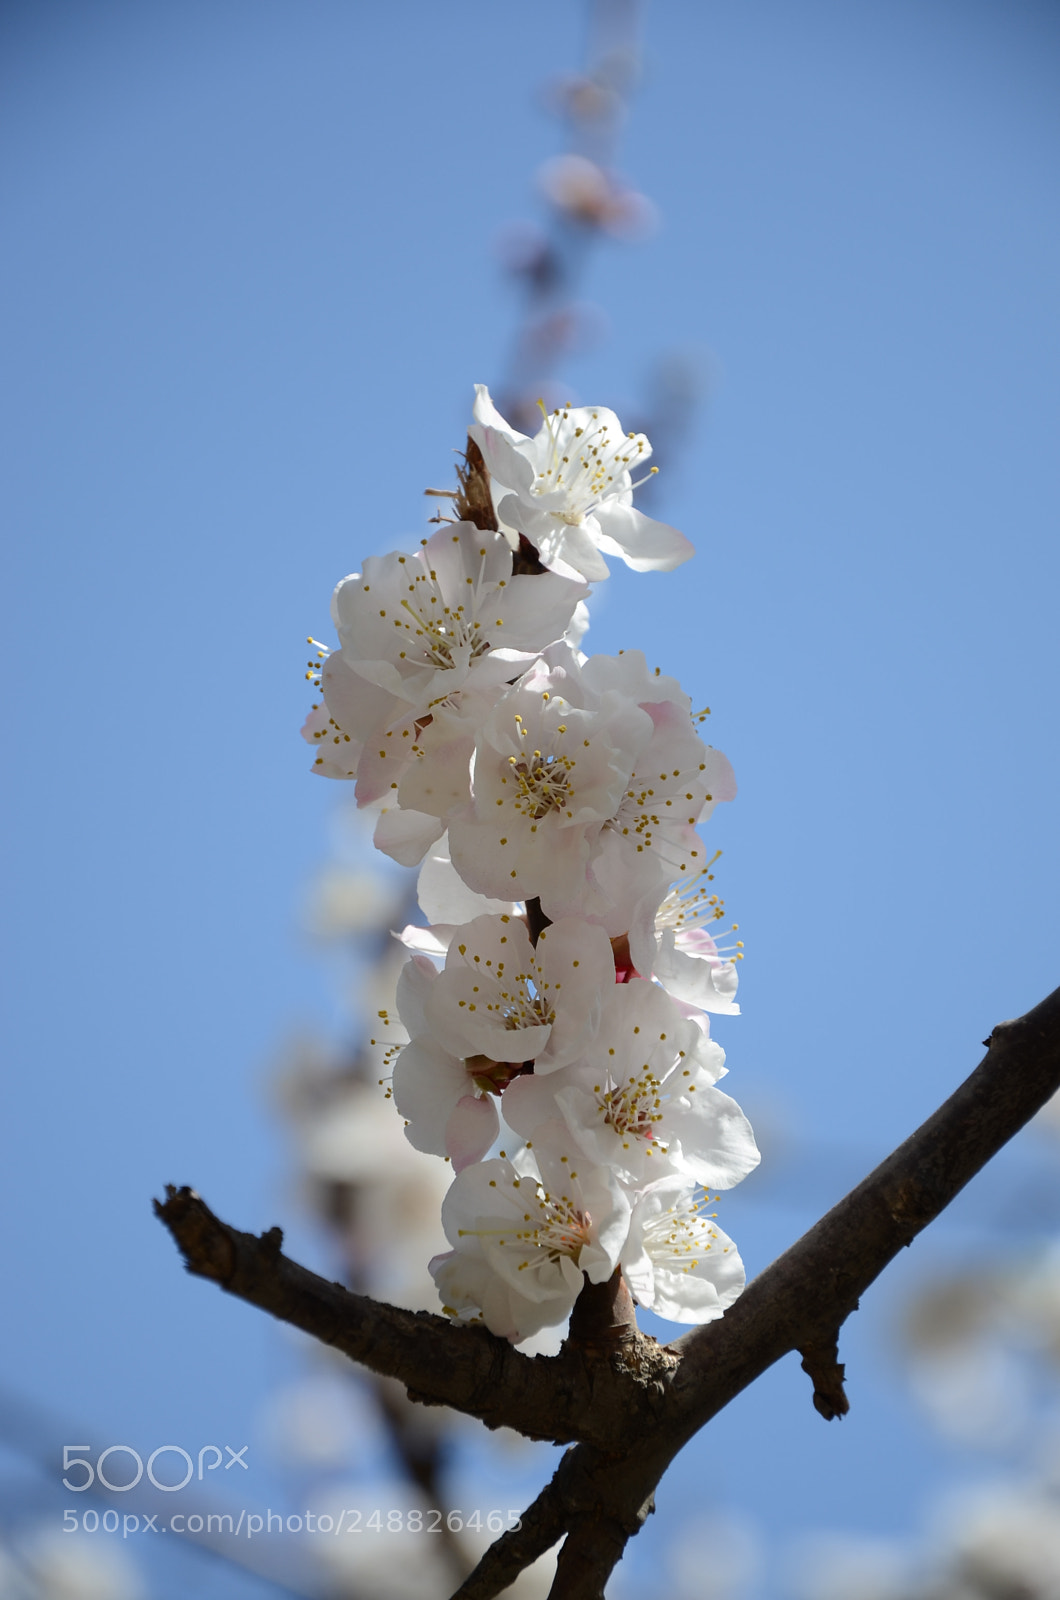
x: 590, y: 1553
x: 441, y: 1364
x: 607, y: 1502
x: 597, y: 1501
x: 574, y: 1396
x: 539, y: 1528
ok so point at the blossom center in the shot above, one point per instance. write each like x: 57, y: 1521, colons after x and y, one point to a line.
x: 544, y: 783
x: 631, y: 1108
x: 561, y: 1229
x: 690, y: 907
x: 440, y: 637
x: 690, y: 903
x: 679, y: 1237
x: 527, y: 1011
x: 588, y: 464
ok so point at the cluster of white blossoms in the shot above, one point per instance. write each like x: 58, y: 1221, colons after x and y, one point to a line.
x: 556, y: 1002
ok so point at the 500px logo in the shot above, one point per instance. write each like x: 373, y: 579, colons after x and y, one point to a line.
x: 186, y: 1464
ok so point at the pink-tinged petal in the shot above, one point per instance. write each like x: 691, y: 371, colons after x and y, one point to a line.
x: 359, y: 707
x: 384, y: 758
x: 337, y: 755
x: 439, y: 780
x: 471, y: 1129
x: 406, y: 836
x: 693, y: 971
x: 719, y: 778
x: 432, y: 941
x: 316, y: 724
x: 531, y: 1100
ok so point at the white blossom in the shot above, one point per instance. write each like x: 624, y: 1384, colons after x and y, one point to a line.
x: 670, y: 942
x: 676, y: 1261
x: 427, y: 625
x: 676, y: 782
x: 642, y: 1100
x: 406, y: 836
x: 515, y: 769
x: 570, y: 489
x: 524, y: 1232
x: 501, y: 998
x: 446, y: 1098
x: 547, y: 776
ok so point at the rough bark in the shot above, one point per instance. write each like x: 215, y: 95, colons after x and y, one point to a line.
x: 588, y: 1393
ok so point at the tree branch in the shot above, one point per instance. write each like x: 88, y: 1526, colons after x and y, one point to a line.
x: 589, y: 1392
x: 632, y: 1404
x: 539, y: 1528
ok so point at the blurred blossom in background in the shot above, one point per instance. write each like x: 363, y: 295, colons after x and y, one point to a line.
x: 258, y: 256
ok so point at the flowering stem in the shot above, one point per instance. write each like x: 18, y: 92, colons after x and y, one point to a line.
x: 603, y: 1312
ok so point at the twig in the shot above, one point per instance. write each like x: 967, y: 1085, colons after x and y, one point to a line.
x: 539, y: 1528
x: 802, y: 1300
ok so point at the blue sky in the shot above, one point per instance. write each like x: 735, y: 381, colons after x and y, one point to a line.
x: 247, y: 288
